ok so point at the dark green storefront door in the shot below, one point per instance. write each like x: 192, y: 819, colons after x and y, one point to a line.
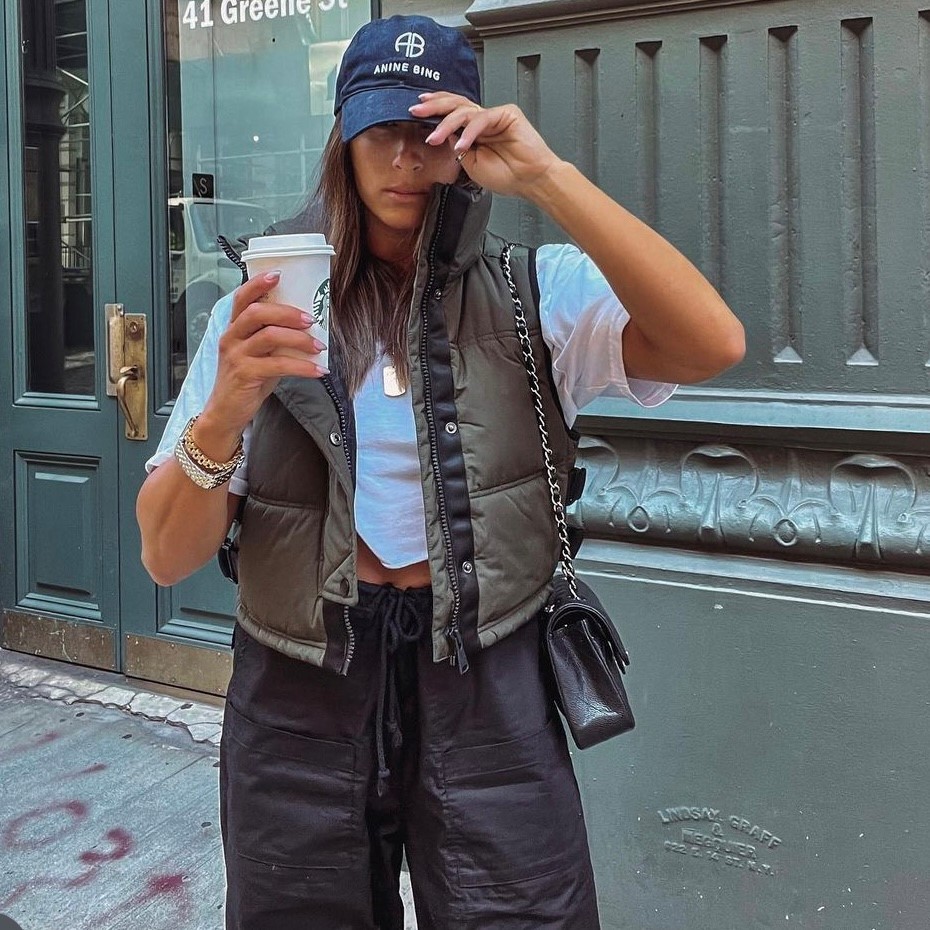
x: 137, y: 132
x: 60, y: 567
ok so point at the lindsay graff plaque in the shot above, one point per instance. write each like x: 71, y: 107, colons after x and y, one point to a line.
x: 720, y: 839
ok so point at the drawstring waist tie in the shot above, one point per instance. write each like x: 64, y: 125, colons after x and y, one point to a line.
x: 401, y: 625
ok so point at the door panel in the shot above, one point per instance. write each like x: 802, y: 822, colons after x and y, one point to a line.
x: 61, y: 598
x: 59, y: 498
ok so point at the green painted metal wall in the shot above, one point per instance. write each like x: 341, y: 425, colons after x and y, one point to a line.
x: 762, y: 539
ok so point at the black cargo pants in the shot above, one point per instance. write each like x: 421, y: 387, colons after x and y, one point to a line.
x: 325, y: 781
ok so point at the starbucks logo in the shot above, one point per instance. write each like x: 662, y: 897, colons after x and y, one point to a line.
x: 321, y: 304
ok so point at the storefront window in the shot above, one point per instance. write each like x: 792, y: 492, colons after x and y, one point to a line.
x: 57, y: 198
x: 250, y: 100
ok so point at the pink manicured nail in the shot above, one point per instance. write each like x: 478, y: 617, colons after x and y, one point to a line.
x: 306, y: 319
x: 318, y: 345
x: 322, y: 370
x: 273, y: 277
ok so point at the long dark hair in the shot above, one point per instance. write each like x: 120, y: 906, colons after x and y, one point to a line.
x: 369, y: 297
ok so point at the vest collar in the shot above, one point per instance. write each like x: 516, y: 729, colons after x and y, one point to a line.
x: 459, y: 213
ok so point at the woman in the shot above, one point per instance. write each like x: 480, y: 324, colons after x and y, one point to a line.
x: 397, y: 538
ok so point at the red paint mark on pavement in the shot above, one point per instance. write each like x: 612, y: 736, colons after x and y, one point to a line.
x: 165, y: 884
x: 169, y: 888
x: 122, y: 841
x: 122, y: 845
x: 21, y: 748
x: 12, y: 834
x: 90, y: 770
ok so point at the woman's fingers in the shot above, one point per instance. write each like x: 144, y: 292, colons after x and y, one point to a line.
x: 273, y: 367
x: 497, y: 146
x: 459, y: 115
x: 269, y: 339
x: 460, y: 118
x: 441, y: 102
x: 255, y: 316
x: 486, y: 123
x: 252, y: 291
x: 266, y: 341
x: 251, y: 312
x: 476, y: 125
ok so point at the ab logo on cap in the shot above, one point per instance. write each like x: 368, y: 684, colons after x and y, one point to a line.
x: 411, y: 44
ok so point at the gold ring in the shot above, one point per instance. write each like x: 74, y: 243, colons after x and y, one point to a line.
x: 460, y: 156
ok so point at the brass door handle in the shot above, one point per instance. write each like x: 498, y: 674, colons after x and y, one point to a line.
x: 126, y: 368
x: 127, y: 373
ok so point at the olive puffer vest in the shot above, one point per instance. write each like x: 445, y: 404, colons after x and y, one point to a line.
x: 491, y: 540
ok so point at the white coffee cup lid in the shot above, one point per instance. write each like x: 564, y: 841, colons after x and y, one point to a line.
x: 294, y: 244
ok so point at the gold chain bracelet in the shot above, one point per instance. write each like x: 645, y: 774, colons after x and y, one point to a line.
x: 199, y: 467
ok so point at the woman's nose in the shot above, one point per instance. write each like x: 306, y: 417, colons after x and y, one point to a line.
x: 408, y: 152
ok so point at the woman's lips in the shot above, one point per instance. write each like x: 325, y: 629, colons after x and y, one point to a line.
x: 401, y: 194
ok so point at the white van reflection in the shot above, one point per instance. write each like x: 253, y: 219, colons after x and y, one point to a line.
x: 200, y: 272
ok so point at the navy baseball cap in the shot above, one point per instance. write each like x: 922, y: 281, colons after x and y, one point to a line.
x: 390, y: 62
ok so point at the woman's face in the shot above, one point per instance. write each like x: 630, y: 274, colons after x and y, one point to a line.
x: 394, y: 171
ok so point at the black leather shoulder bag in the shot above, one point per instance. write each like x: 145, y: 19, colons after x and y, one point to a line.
x: 585, y: 653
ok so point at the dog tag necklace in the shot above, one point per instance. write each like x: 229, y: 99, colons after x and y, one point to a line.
x: 392, y: 385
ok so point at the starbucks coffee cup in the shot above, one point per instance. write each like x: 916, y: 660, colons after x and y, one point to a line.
x: 303, y: 260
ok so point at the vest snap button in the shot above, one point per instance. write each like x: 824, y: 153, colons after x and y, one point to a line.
x: 335, y: 438
x: 467, y: 567
x: 437, y: 293
x: 452, y: 428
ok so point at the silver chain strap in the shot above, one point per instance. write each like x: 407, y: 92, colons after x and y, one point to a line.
x: 555, y: 493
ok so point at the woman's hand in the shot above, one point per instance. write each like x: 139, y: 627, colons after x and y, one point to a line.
x: 497, y: 146
x: 263, y: 343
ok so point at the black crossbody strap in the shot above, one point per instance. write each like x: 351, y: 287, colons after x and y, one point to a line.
x: 555, y: 494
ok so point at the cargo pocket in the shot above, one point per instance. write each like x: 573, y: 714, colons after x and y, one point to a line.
x: 290, y: 800
x: 513, y: 809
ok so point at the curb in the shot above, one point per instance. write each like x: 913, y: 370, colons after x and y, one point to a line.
x: 47, y: 678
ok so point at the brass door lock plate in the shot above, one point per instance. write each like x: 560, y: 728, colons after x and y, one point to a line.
x: 126, y: 368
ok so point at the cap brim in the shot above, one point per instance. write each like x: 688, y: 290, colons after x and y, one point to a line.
x: 370, y: 108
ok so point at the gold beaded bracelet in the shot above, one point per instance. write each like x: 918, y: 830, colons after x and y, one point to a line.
x: 199, y: 467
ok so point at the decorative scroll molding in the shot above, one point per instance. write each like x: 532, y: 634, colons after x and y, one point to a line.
x: 859, y: 508
x: 492, y: 17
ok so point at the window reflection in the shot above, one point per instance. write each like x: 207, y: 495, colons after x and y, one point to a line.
x: 250, y: 99
x: 57, y: 197
x: 200, y: 271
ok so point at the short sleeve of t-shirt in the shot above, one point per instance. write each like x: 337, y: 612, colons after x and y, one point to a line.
x: 195, y: 390
x: 582, y: 322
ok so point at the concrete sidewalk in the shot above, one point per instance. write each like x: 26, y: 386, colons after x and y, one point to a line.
x: 109, y: 803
